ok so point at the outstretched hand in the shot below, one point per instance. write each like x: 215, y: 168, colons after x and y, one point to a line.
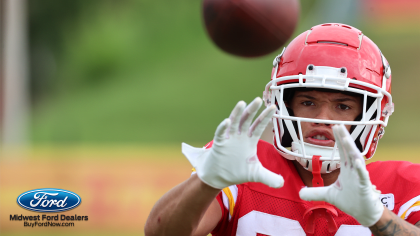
x: 353, y: 192
x: 232, y: 159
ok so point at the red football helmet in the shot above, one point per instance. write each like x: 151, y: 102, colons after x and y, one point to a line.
x: 330, y: 56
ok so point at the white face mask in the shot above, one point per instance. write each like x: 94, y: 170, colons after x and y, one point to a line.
x: 322, y: 77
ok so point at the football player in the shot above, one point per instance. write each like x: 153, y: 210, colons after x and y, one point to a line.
x: 329, y: 99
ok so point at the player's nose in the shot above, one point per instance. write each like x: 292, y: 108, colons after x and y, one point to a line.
x: 323, y: 113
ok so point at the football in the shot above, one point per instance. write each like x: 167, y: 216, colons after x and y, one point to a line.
x: 250, y: 28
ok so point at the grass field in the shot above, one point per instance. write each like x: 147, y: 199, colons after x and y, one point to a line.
x: 118, y: 185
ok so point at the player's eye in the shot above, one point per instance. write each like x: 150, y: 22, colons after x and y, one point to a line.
x: 308, y: 103
x: 343, y: 107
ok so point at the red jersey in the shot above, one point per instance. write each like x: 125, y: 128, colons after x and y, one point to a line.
x: 254, y: 209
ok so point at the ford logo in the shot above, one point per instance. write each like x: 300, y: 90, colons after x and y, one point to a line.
x: 48, y: 200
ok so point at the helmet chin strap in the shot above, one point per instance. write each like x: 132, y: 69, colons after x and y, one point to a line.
x: 321, y: 151
x: 319, y: 209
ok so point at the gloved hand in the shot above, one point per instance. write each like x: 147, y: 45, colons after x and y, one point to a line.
x: 353, y: 192
x: 233, y: 157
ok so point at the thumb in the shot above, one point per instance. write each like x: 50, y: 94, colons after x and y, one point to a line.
x: 192, y: 153
x: 268, y: 178
x: 314, y: 194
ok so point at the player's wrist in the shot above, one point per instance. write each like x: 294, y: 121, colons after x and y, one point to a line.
x: 373, y: 217
x: 383, y: 219
x: 204, y: 187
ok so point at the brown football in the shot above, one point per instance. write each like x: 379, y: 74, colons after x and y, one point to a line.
x: 250, y: 28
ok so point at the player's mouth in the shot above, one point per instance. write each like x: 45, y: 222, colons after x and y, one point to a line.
x: 322, y: 138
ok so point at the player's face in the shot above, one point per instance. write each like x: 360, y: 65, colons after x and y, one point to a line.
x: 327, y: 106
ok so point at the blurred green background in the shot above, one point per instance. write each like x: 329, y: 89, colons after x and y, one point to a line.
x: 116, y: 86
x: 145, y: 71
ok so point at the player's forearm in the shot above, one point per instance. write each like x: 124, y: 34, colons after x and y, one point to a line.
x: 391, y: 224
x: 180, y: 210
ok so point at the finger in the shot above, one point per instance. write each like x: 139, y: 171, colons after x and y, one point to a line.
x: 314, y: 194
x: 362, y: 172
x: 220, y: 134
x: 352, y: 152
x: 346, y: 142
x: 339, y: 140
x: 261, y: 122
x: 249, y: 114
x: 349, y: 146
x: 235, y: 117
x: 262, y: 175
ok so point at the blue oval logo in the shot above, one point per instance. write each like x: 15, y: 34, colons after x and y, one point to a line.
x: 49, y: 200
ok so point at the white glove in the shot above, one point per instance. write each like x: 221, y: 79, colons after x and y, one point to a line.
x: 353, y: 192
x: 233, y: 157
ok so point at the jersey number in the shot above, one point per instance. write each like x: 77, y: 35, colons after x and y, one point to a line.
x: 263, y: 223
